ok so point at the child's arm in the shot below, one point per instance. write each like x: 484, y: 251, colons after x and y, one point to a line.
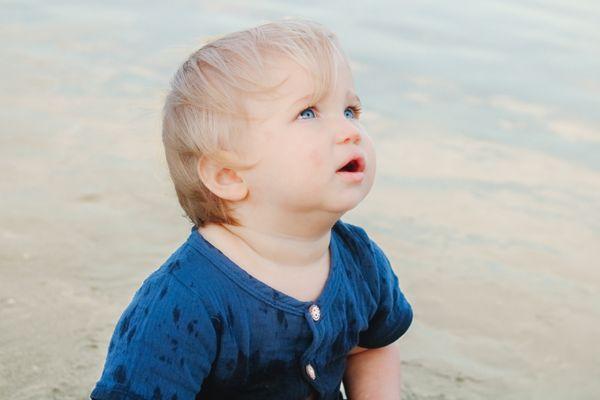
x: 373, y: 367
x: 373, y: 374
x: 163, y: 345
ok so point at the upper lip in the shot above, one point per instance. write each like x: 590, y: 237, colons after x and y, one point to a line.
x: 355, y: 156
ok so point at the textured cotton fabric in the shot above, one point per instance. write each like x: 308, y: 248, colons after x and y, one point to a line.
x: 201, y: 327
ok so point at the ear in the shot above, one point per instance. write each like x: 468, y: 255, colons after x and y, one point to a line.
x: 223, y: 182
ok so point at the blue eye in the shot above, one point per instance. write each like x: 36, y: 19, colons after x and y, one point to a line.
x: 305, y: 110
x: 355, y: 111
x: 349, y: 112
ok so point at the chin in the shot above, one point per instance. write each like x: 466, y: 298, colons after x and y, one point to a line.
x: 348, y: 203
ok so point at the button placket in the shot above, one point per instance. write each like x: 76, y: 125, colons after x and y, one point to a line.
x: 313, y: 316
x: 315, y: 312
x: 310, y: 371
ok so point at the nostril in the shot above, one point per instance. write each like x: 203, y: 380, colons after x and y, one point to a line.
x: 352, y: 135
x: 352, y: 139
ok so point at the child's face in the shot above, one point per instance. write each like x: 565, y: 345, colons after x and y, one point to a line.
x: 300, y: 150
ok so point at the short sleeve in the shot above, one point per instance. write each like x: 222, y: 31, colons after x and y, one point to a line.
x: 394, y: 314
x: 162, y: 347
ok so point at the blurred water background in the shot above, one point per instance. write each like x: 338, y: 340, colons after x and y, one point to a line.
x: 486, y: 121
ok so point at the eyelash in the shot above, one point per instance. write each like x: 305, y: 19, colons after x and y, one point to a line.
x: 356, y: 108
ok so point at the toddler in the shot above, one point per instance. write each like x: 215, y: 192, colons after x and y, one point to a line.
x: 272, y: 296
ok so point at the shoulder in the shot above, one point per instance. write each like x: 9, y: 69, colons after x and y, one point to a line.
x: 167, y: 335
x: 164, y: 296
x: 185, y: 281
x: 166, y: 306
x: 369, y: 262
x: 357, y: 255
x: 352, y: 236
x: 373, y: 279
x: 348, y: 229
x: 355, y: 240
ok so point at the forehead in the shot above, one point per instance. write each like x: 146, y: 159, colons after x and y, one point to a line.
x: 291, y: 82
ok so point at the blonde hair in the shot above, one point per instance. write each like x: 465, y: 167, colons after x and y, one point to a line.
x: 203, y: 114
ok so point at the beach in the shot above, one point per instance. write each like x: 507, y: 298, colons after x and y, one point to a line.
x: 487, y: 197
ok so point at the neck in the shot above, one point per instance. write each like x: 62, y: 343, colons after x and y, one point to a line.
x: 285, y: 241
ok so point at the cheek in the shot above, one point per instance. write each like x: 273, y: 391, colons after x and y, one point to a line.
x: 315, y: 159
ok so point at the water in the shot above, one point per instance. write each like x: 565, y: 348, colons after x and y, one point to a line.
x: 487, y: 198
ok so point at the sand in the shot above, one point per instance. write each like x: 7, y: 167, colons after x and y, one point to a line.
x: 486, y: 199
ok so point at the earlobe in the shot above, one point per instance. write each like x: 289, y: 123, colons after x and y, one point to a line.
x: 223, y: 182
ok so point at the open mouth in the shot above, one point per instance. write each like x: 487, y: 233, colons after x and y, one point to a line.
x: 355, y: 165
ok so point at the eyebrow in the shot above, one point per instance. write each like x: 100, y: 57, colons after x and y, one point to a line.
x: 350, y: 95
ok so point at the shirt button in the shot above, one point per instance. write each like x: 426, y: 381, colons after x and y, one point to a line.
x: 311, y: 372
x: 315, y: 312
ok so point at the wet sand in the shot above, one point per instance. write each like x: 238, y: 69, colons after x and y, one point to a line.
x: 486, y: 199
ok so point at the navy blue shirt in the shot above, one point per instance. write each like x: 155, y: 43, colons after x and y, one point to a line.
x: 201, y: 327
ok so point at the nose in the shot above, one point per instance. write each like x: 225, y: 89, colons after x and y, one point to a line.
x: 348, y: 133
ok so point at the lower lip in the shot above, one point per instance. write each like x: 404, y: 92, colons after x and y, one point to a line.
x: 351, y: 176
